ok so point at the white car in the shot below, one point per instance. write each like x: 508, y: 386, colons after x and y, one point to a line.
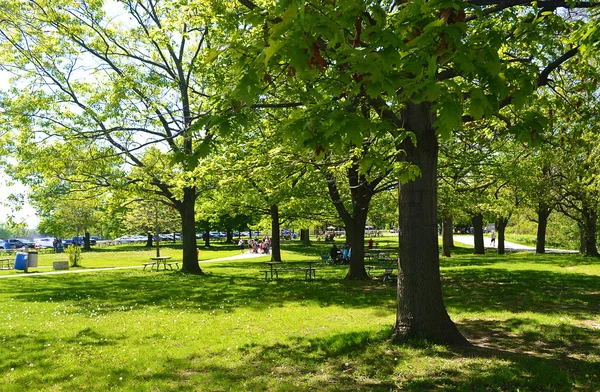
x: 45, y: 242
x: 126, y: 239
x: 4, y: 245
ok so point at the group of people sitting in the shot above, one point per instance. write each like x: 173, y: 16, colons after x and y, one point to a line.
x: 340, y: 256
x: 255, y: 245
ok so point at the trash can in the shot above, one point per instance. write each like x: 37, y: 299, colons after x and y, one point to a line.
x: 32, y: 259
x: 20, y: 261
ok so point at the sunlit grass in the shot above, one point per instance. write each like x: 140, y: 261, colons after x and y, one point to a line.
x: 533, y: 318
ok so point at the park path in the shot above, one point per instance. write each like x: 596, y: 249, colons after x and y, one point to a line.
x: 241, y: 256
x: 509, y: 246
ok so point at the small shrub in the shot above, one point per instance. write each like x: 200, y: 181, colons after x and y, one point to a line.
x: 74, y: 253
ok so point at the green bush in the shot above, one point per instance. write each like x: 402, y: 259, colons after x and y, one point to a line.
x: 74, y: 253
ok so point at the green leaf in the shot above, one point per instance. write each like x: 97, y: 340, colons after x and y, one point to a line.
x: 449, y: 117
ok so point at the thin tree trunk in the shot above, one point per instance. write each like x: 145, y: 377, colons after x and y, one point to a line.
x: 590, y: 222
x: 581, y: 238
x: 421, y: 311
x: 447, y: 237
x: 543, y: 212
x: 207, y: 237
x: 188, y: 232
x: 501, y: 223
x: 275, y: 239
x: 478, y: 246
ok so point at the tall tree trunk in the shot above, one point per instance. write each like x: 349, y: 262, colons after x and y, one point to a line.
x: 149, y: 241
x: 501, y: 223
x: 86, y: 241
x: 188, y: 232
x: 447, y: 238
x: 543, y: 212
x: 275, y: 239
x: 355, y: 235
x: 590, y: 216
x: 421, y: 311
x: 478, y: 246
x: 581, y: 237
x: 207, y: 237
x: 229, y: 236
x: 305, y: 236
x: 354, y: 220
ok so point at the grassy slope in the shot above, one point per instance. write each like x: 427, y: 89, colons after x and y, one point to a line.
x: 534, y: 319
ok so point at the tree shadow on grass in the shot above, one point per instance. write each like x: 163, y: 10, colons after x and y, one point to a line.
x: 368, y: 361
x: 123, y: 289
x: 480, y: 290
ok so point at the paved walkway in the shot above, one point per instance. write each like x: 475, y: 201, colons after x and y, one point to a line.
x: 246, y: 255
x: 509, y: 246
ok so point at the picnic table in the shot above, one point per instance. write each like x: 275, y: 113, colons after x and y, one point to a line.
x: 273, y: 273
x: 6, y: 263
x: 376, y: 253
x: 386, y: 263
x: 156, y: 262
x: 271, y: 270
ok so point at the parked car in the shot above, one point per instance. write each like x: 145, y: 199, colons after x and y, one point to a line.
x: 15, y: 243
x: 45, y: 242
x: 126, y: 239
x: 80, y: 240
x: 4, y: 245
x: 27, y: 242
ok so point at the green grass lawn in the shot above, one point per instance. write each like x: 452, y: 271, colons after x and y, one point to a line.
x: 534, y: 321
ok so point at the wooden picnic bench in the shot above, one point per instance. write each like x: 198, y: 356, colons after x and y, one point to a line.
x: 273, y: 273
x: 8, y: 261
x: 153, y: 263
x: 158, y: 260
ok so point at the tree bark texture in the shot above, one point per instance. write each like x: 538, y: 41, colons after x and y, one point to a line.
x: 305, y: 236
x: 421, y: 311
x: 501, y: 224
x: 188, y: 232
x: 355, y: 235
x: 543, y: 212
x: 275, y: 239
x: 581, y: 238
x: 354, y: 218
x: 86, y: 241
x: 447, y: 239
x: 207, y: 237
x: 590, y: 216
x: 478, y: 246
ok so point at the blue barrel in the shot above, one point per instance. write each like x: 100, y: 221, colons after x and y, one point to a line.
x: 21, y: 261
